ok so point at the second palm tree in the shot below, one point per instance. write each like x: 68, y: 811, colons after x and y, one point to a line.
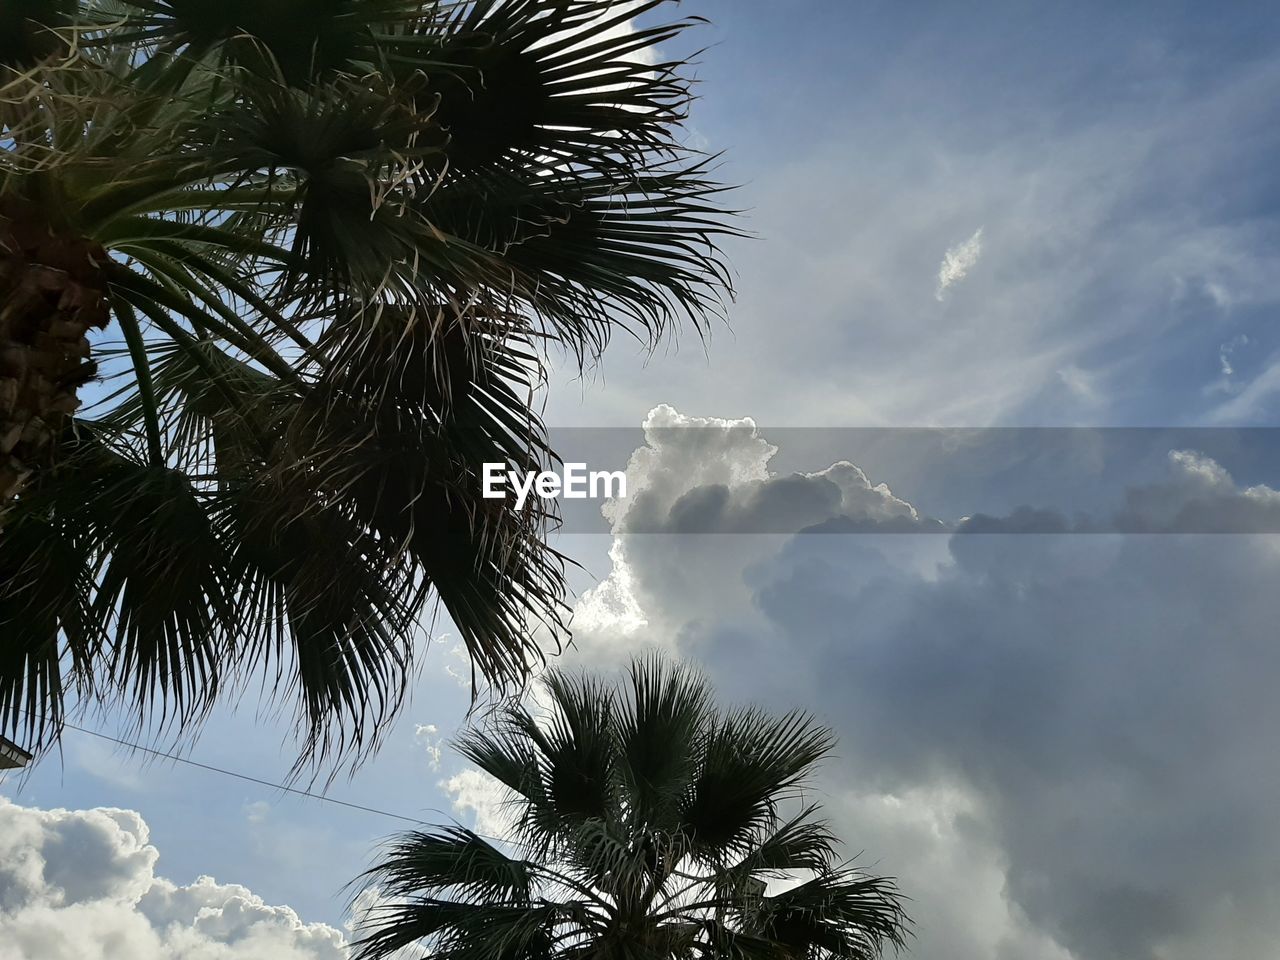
x: 645, y: 823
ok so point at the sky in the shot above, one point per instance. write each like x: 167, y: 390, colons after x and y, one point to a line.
x: 964, y: 216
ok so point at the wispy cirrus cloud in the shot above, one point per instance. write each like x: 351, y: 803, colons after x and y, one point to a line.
x: 427, y: 735
x: 957, y: 262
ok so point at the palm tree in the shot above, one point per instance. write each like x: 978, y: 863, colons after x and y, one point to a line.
x: 327, y: 244
x: 646, y: 824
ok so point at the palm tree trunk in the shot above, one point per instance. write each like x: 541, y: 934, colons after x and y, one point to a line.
x: 52, y: 292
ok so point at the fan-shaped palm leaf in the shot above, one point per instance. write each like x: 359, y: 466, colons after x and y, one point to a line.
x: 328, y: 242
x: 602, y: 862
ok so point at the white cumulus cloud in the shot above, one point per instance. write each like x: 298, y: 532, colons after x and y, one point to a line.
x: 82, y: 885
x: 483, y: 800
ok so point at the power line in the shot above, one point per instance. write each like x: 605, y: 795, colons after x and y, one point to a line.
x: 268, y: 783
x: 243, y: 776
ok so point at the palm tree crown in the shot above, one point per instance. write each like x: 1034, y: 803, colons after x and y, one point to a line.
x: 647, y: 824
x: 328, y: 242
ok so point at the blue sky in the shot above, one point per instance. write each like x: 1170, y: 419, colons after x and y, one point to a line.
x: 1027, y: 724
x: 1116, y: 157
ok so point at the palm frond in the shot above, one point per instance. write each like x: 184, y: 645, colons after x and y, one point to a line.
x: 144, y: 573
x: 577, y: 747
x: 47, y: 623
x: 750, y: 764
x: 300, y: 40
x: 838, y: 914
x: 595, y: 251
x: 801, y: 843
x: 660, y: 730
x: 340, y: 238
x: 453, y: 861
x: 595, y: 874
x: 485, y: 922
x: 27, y: 30
x: 552, y: 82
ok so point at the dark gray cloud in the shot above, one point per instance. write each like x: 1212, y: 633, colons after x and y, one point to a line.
x: 1111, y: 700
x: 837, y: 499
x: 1063, y: 744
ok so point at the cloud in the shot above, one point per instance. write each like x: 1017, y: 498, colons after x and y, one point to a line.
x: 680, y: 455
x: 611, y: 605
x: 482, y: 800
x: 1081, y: 383
x: 1103, y: 699
x: 82, y: 885
x: 710, y: 475
x: 1225, y: 352
x: 428, y: 736
x: 1110, y: 235
x: 450, y: 656
x: 957, y: 262
x: 1195, y: 495
x: 1250, y: 402
x: 1199, y: 496
x: 257, y: 812
x: 1061, y: 745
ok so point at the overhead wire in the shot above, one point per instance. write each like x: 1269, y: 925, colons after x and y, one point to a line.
x: 210, y: 768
